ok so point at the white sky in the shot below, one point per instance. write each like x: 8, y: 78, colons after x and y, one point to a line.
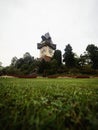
x: 22, y: 22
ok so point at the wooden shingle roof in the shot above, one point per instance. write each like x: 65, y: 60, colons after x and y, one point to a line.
x: 46, y: 41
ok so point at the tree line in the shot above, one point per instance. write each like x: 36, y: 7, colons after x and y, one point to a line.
x: 67, y: 63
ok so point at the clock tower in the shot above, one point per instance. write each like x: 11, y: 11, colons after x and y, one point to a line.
x: 46, y: 47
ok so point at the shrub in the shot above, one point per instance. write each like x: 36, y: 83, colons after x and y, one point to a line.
x: 82, y: 76
x: 26, y: 76
x: 53, y: 76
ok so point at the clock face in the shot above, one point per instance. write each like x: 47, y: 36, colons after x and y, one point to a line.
x: 43, y: 51
x: 50, y: 51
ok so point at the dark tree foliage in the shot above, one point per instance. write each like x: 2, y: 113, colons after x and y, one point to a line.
x: 43, y: 67
x: 19, y: 63
x: 53, y: 68
x: 92, y: 52
x: 25, y: 65
x: 87, y: 63
x: 58, y: 57
x: 28, y: 59
x: 1, y: 68
x: 69, y: 56
x: 84, y: 60
x: 14, y: 61
x: 0, y: 63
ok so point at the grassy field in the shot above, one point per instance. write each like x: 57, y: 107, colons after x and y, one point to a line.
x: 48, y: 104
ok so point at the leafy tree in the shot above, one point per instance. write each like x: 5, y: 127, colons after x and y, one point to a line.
x: 26, y: 55
x: 69, y: 56
x: 28, y: 59
x: 58, y: 57
x: 92, y: 52
x: 43, y: 67
x: 19, y: 63
x: 1, y: 68
x: 0, y: 63
x: 14, y: 61
x: 53, y: 68
x: 11, y: 70
x: 23, y: 64
x: 84, y: 60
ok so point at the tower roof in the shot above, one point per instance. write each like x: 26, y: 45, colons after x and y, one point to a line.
x: 46, y: 41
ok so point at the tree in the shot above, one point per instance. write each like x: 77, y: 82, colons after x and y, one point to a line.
x: 14, y: 61
x: 53, y: 68
x: 92, y: 52
x: 84, y: 60
x: 69, y: 56
x: 43, y: 67
x: 0, y: 63
x: 1, y: 68
x: 28, y: 58
x: 27, y: 54
x: 19, y: 63
x: 58, y: 57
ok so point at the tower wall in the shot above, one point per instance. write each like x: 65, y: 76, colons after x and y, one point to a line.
x: 46, y: 51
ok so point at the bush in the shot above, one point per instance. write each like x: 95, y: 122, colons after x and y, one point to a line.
x: 82, y: 76
x: 53, y: 76
x: 25, y: 76
x: 87, y: 70
x: 74, y: 71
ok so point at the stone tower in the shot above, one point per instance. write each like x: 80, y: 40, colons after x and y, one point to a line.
x: 46, y: 47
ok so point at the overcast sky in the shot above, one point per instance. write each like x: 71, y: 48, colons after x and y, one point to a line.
x: 22, y: 22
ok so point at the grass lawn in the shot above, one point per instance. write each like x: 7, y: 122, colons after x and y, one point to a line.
x: 48, y: 104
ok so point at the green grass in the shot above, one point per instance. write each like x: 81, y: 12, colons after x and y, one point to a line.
x: 48, y: 104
